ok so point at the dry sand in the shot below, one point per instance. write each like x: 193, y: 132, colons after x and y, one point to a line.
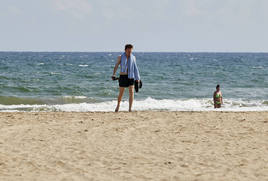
x: 164, y: 146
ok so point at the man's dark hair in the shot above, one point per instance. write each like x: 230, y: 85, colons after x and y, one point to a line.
x: 218, y: 86
x: 128, y: 46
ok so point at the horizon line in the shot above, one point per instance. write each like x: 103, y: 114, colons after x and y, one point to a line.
x: 32, y: 51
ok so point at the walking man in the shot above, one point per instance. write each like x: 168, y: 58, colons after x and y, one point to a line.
x: 129, y: 73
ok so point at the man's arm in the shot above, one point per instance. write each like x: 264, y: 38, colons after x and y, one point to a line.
x: 116, y: 65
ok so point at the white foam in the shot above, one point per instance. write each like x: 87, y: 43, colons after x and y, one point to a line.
x: 75, y: 97
x: 54, y: 73
x: 258, y: 67
x: 147, y: 104
x: 83, y: 65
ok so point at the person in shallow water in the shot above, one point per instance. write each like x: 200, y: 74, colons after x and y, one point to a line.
x: 129, y: 73
x: 217, y: 97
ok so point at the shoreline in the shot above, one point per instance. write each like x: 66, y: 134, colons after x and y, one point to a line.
x: 147, y: 104
x: 141, y: 111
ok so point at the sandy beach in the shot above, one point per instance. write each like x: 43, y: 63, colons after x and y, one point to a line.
x: 134, y: 146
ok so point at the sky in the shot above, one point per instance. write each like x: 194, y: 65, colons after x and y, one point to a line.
x: 150, y: 25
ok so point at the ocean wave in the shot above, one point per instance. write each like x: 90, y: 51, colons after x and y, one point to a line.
x: 54, y: 73
x: 82, y: 65
x: 146, y: 104
x: 75, y: 97
x: 10, y: 100
x: 257, y: 67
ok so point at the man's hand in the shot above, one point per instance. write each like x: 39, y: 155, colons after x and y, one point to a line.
x: 113, y: 77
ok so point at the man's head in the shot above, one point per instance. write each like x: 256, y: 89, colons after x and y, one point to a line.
x: 128, y: 49
x: 218, y: 87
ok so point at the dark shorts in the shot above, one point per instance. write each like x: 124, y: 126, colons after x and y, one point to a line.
x: 124, y: 81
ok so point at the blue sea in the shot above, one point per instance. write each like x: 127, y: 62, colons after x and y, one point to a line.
x: 81, y: 81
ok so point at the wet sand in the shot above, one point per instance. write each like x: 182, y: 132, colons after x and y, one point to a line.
x: 164, y: 146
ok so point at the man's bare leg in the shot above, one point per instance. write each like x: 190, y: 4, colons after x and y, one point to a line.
x: 131, y: 97
x: 121, y: 93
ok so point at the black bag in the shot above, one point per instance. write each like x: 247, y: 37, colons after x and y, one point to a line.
x: 138, y: 85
